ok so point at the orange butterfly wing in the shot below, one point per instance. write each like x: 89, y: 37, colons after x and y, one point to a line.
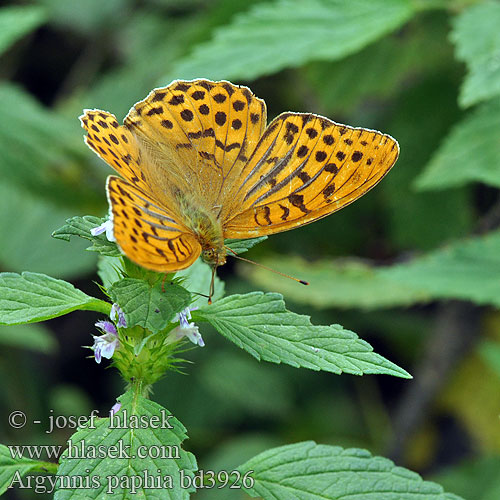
x: 144, y: 229
x: 196, y: 137
x: 115, y: 145
x: 146, y: 232
x: 306, y: 167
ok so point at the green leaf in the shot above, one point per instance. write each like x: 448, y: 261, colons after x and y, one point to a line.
x: 288, y: 33
x: 25, y: 228
x: 148, y: 305
x: 418, y: 51
x: 13, y: 469
x: 309, y: 471
x: 81, y: 226
x: 466, y: 270
x: 162, y: 433
x: 357, y: 284
x: 469, y: 153
x: 16, y: 22
x: 110, y: 270
x: 33, y: 337
x: 241, y: 246
x: 197, y: 278
x: 260, y: 324
x: 477, y: 39
x: 41, y: 151
x: 31, y: 297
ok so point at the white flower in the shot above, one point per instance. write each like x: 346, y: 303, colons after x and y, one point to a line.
x: 187, y: 329
x: 105, y: 226
x: 105, y: 345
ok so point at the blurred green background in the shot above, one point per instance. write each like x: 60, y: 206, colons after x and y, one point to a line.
x: 413, y: 267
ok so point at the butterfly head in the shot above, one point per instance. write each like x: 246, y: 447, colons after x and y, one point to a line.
x: 214, y: 256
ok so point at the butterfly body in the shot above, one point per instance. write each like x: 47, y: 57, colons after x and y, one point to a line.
x: 205, y: 225
x: 198, y: 165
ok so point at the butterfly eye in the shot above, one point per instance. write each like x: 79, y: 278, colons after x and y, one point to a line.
x: 208, y: 255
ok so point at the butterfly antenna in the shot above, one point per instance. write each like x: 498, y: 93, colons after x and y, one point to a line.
x: 302, y: 282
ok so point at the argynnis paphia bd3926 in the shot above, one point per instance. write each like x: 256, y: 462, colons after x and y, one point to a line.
x: 198, y: 165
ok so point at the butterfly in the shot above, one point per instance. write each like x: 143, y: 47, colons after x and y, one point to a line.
x: 198, y: 165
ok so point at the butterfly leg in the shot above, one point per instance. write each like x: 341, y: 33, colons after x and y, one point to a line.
x: 163, y: 282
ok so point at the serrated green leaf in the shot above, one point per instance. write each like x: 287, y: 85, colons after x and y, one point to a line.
x: 81, y: 226
x: 310, y: 471
x: 13, y: 469
x: 148, y: 305
x: 197, y: 278
x: 161, y: 434
x: 16, y: 22
x: 33, y: 337
x: 275, y: 35
x: 31, y: 297
x: 260, y: 324
x: 466, y: 270
x: 470, y: 153
x: 481, y: 53
x: 241, y: 246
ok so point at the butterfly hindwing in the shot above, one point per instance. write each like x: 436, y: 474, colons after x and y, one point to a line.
x: 146, y: 232
x: 304, y: 168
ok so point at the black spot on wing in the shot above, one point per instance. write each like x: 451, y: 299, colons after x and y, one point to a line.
x: 286, y: 212
x: 297, y: 200
x: 182, y: 87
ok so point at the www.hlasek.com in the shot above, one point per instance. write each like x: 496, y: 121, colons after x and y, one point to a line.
x: 147, y: 478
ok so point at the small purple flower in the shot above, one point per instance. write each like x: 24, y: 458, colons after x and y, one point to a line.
x: 187, y: 329
x: 115, y: 409
x: 106, y: 326
x: 184, y: 316
x: 105, y: 345
x: 105, y: 226
x: 118, y: 316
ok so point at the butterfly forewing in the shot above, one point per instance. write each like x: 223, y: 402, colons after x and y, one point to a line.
x: 304, y: 168
x: 146, y: 232
x: 115, y: 145
x: 199, y: 134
